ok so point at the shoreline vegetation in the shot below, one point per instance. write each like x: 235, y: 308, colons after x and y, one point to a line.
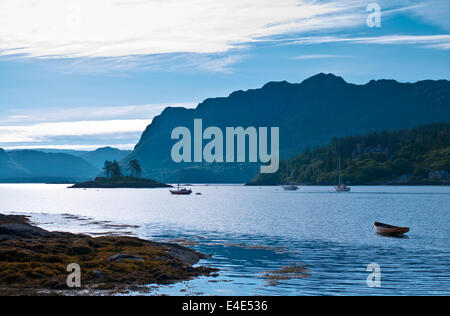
x: 115, y: 179
x: 419, y: 156
x: 120, y: 182
x: 34, y: 261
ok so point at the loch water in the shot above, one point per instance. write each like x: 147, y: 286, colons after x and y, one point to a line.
x: 252, y: 232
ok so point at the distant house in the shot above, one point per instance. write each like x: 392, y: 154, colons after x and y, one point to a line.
x: 438, y: 175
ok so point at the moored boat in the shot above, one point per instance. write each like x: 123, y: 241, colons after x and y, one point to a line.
x: 181, y: 191
x: 341, y: 187
x: 290, y: 187
x: 386, y: 229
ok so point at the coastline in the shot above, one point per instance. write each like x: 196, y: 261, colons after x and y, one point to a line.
x: 380, y: 183
x: 34, y: 261
x: 120, y: 183
x: 436, y: 184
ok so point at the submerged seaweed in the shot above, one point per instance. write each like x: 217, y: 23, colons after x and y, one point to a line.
x: 35, y: 259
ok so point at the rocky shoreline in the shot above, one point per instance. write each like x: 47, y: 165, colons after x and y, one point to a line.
x: 34, y: 261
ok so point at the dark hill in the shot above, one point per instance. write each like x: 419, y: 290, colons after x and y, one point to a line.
x: 98, y: 157
x: 308, y: 114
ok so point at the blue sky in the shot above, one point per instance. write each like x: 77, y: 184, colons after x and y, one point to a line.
x: 74, y: 74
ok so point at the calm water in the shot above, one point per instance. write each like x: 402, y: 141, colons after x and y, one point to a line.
x: 251, y: 231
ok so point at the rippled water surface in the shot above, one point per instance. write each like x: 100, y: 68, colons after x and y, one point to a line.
x: 251, y: 231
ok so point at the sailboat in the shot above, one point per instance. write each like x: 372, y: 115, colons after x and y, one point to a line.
x: 341, y: 186
x: 289, y: 187
x: 181, y: 191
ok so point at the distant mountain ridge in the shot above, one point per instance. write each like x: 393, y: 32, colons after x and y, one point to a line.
x: 36, y: 166
x: 55, y: 165
x: 98, y: 157
x: 308, y: 114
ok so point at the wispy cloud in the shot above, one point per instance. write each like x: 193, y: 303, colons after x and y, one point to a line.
x: 42, y: 131
x: 433, y: 11
x: 431, y: 41
x: 83, y: 127
x: 221, y: 64
x: 316, y: 56
x: 70, y: 147
x: 115, y: 36
x: 93, y: 113
x: 119, y: 66
x: 109, y: 28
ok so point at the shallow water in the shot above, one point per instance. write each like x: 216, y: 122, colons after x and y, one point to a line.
x: 251, y: 231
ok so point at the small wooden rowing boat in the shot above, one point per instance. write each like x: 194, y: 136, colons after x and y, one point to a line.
x: 386, y: 229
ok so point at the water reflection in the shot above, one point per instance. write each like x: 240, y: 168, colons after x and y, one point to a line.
x: 252, y: 232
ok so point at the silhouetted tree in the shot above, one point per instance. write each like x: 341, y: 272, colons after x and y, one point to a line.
x: 115, y: 169
x: 135, y: 168
x: 108, y: 168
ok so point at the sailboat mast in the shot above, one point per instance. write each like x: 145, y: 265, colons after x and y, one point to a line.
x: 288, y: 169
x: 339, y: 168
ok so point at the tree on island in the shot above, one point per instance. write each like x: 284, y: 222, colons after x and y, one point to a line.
x: 135, y: 168
x: 115, y: 170
x: 108, y: 168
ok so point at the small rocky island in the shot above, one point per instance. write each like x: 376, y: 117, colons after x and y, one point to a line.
x: 115, y: 178
x: 120, y: 182
x: 34, y: 261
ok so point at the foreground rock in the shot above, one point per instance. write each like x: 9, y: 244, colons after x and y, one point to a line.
x: 120, y: 182
x: 33, y: 260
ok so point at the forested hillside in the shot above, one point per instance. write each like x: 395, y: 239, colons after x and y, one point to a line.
x: 417, y: 156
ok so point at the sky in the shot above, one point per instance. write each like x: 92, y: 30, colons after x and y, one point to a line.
x: 83, y: 74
